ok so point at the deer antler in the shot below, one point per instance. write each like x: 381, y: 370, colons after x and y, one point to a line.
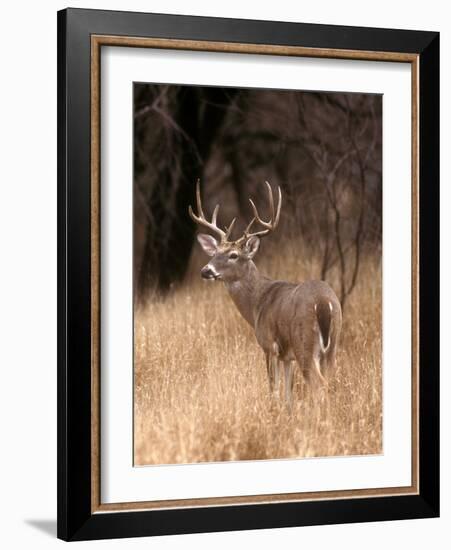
x: 225, y: 235
x: 273, y: 222
x: 212, y: 226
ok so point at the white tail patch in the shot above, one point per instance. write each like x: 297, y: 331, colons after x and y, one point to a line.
x: 323, y: 347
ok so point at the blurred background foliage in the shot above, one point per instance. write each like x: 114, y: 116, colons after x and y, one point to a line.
x: 324, y: 149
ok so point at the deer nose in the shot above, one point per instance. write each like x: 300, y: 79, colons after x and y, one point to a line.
x: 208, y: 273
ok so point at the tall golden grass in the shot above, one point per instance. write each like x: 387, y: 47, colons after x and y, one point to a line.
x: 201, y: 390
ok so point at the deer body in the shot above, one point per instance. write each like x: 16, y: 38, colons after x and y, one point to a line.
x: 293, y: 323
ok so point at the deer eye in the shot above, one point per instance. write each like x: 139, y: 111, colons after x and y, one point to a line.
x: 233, y: 256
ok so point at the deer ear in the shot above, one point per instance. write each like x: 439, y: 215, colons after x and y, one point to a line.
x: 208, y: 243
x: 252, y: 246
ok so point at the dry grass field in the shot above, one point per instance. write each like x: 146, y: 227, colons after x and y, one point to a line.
x: 201, y: 391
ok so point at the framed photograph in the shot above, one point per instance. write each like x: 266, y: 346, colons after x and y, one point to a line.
x: 248, y: 274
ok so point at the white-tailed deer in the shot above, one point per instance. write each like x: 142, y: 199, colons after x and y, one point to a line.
x: 293, y: 323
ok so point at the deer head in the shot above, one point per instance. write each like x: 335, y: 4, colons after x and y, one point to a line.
x: 230, y: 259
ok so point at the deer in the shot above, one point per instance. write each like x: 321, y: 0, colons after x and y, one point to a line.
x: 294, y: 323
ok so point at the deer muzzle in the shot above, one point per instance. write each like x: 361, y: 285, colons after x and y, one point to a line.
x: 209, y: 272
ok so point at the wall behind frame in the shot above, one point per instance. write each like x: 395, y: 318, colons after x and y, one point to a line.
x: 28, y: 274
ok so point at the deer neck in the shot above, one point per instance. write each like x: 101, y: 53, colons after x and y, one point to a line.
x: 245, y: 292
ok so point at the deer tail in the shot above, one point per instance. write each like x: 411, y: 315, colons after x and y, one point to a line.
x: 323, y: 312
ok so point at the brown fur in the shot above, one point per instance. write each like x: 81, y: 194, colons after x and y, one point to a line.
x: 293, y: 323
x: 289, y: 319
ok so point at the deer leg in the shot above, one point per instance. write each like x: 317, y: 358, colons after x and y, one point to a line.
x: 328, y: 362
x: 270, y: 371
x: 311, y: 371
x: 306, y: 375
x: 289, y: 367
x: 317, y: 371
x: 321, y: 383
x: 303, y: 356
x: 276, y: 368
x: 273, y: 368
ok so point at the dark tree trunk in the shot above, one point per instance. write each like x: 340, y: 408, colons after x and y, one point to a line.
x: 197, y: 121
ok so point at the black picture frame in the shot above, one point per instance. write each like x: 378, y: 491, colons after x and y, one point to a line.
x: 76, y: 520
